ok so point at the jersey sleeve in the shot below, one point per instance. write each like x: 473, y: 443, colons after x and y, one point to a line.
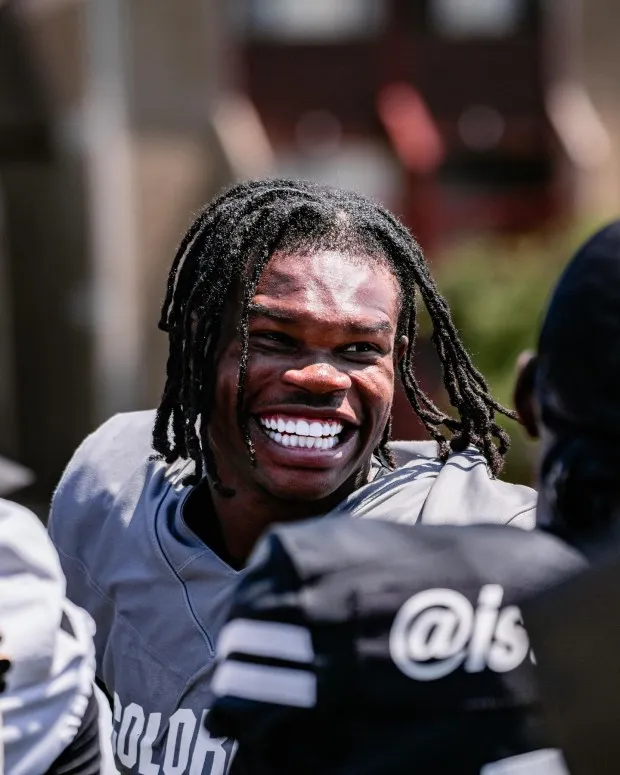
x: 98, y: 490
x: 94, y: 482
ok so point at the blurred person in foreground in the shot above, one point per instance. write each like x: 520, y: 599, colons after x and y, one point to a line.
x: 290, y: 309
x: 373, y: 648
x: 49, y: 711
x: 568, y: 395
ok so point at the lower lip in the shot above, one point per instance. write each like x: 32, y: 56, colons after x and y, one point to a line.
x: 302, y: 457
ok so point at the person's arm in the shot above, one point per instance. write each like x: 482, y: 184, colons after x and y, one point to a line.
x: 83, y: 755
x: 49, y: 711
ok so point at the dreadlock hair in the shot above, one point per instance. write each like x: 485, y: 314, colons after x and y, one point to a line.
x: 226, y: 249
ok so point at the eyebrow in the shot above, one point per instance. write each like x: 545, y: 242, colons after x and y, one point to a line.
x: 260, y: 310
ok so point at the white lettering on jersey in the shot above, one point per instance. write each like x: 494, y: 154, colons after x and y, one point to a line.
x: 132, y: 727
x: 438, y: 630
x: 147, y: 767
x: 187, y: 748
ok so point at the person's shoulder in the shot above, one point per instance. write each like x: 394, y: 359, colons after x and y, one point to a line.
x: 25, y: 547
x: 316, y: 547
x: 106, y: 474
x: 525, y: 553
x: 109, y: 454
x: 124, y: 438
x: 423, y: 488
x: 465, y: 487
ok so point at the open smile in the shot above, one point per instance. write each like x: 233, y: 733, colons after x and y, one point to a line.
x: 305, y: 434
x: 306, y: 440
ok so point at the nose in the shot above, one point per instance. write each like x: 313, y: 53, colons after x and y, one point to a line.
x: 319, y: 378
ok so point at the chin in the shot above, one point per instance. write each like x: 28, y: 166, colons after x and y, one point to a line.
x: 302, y: 487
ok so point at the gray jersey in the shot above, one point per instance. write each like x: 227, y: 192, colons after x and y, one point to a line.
x: 48, y: 641
x: 159, y: 595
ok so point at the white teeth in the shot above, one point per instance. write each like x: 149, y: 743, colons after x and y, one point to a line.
x: 301, y: 433
x: 305, y: 442
x: 315, y: 429
x: 302, y: 428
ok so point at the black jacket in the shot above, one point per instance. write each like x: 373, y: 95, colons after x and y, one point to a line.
x: 361, y: 647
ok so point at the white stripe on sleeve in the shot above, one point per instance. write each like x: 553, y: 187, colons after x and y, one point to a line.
x: 280, y: 685
x: 266, y: 639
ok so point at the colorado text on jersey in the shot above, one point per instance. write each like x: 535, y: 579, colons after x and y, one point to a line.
x: 187, y: 748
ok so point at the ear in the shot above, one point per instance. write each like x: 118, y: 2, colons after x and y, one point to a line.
x: 400, y: 348
x: 524, y: 392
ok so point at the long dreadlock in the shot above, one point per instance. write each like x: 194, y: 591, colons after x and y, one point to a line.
x: 228, y: 246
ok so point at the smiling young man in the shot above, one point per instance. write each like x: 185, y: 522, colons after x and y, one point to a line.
x: 290, y: 309
x: 312, y: 422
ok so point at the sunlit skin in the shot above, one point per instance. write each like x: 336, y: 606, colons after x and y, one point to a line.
x: 322, y: 347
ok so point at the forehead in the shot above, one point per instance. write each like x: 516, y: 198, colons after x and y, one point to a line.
x: 329, y: 284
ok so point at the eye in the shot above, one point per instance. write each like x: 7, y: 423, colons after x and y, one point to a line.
x: 272, y: 340
x: 362, y: 348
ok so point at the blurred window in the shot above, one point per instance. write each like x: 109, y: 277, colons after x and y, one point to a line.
x: 313, y: 21
x: 364, y: 166
x: 476, y: 18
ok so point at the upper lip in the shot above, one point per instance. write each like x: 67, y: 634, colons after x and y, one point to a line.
x: 309, y: 413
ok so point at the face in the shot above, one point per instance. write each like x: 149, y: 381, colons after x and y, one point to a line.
x: 320, y: 377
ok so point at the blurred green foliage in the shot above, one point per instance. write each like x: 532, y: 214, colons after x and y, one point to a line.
x: 497, y: 290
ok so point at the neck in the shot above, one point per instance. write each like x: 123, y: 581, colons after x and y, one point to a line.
x: 245, y: 516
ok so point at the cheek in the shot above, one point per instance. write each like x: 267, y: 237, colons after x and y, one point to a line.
x: 258, y: 375
x: 376, y: 389
x: 263, y: 374
x: 227, y: 371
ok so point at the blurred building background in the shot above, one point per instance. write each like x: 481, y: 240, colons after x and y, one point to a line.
x: 490, y: 126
